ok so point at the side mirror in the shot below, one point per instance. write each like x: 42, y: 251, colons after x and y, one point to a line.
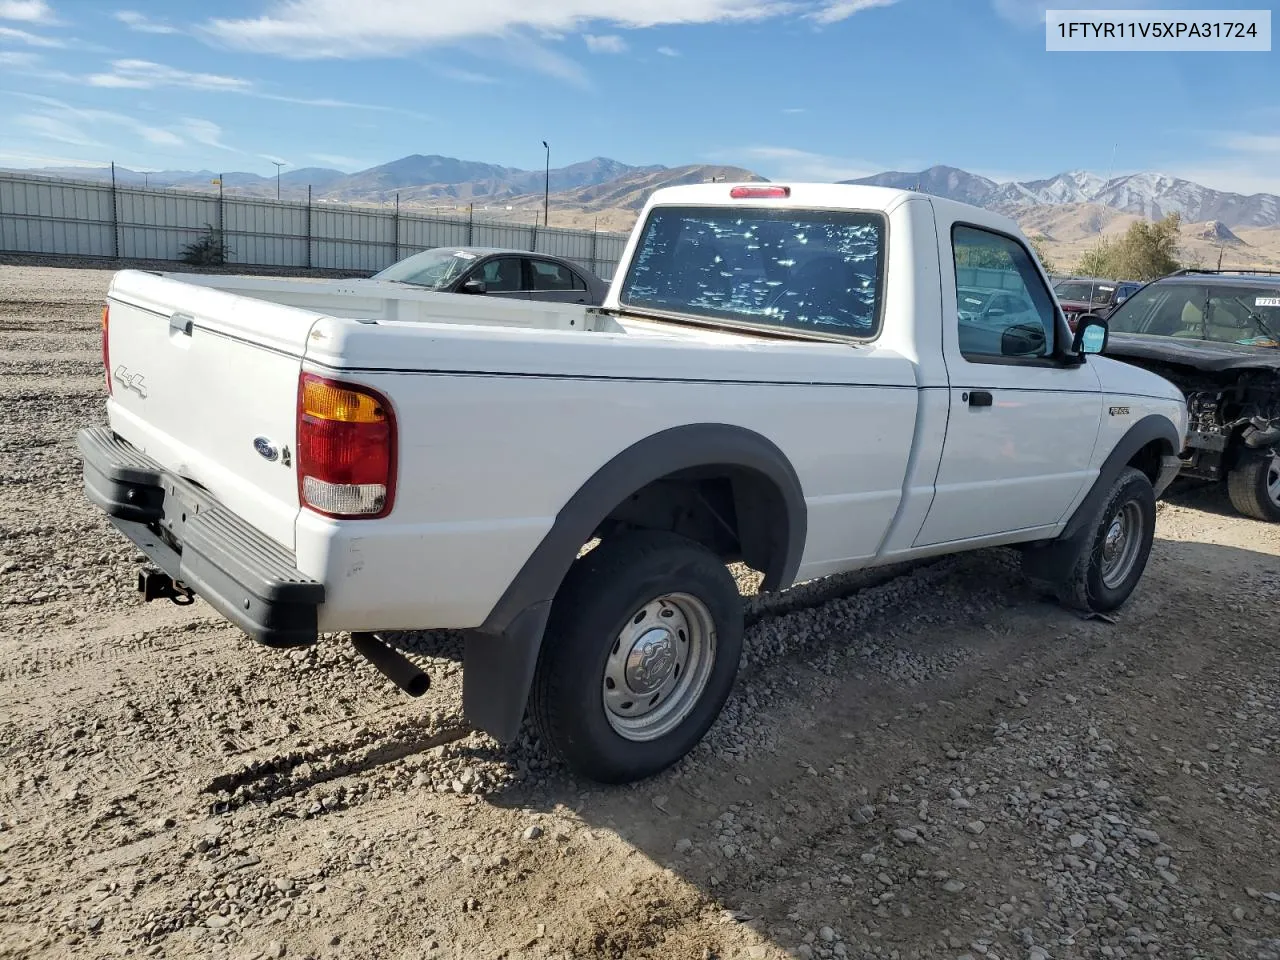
x: 475, y: 286
x: 1023, y: 339
x: 1091, y: 335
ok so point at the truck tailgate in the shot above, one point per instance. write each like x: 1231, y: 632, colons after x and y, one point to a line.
x: 206, y: 384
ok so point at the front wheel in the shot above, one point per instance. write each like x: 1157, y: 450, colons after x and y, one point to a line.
x: 1254, y: 486
x: 1111, y: 556
x: 639, y: 656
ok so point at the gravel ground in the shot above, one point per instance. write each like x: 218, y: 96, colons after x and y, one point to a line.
x: 917, y: 762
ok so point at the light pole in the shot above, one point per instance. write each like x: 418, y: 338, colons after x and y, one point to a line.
x: 278, y: 166
x: 546, y: 190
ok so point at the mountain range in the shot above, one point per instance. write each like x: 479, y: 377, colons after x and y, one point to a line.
x: 612, y: 190
x: 1151, y: 195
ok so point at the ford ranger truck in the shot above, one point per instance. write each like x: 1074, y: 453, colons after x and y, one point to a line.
x: 789, y: 376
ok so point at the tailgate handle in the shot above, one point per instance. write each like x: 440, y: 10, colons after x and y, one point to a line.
x: 181, y: 323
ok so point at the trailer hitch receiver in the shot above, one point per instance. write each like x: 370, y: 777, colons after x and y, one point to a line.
x: 158, y: 585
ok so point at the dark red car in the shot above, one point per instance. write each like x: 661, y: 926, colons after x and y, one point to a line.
x: 1094, y: 295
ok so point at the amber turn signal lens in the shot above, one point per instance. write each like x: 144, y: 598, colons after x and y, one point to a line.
x: 325, y: 400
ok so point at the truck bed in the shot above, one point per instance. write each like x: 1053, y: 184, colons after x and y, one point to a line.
x: 375, y: 300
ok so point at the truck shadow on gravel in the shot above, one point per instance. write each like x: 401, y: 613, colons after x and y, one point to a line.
x: 944, y: 758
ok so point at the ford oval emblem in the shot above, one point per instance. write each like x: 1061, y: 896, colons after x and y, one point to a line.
x: 266, y: 449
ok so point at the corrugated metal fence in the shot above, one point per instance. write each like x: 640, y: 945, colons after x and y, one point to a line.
x: 94, y: 219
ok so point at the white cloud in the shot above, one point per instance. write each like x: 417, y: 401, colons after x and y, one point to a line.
x: 463, y: 76
x: 57, y: 129
x: 669, y: 51
x: 28, y: 11
x: 203, y: 131
x: 839, y: 10
x: 339, y: 162
x: 147, y: 75
x: 608, y: 43
x: 26, y: 64
x: 142, y: 23
x: 311, y: 29
x: 144, y: 75
x: 30, y: 39
x: 1253, y: 143
x: 81, y: 126
x: 794, y: 110
x: 789, y: 163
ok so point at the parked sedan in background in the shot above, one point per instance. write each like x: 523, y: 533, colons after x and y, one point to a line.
x: 1079, y: 295
x: 492, y: 271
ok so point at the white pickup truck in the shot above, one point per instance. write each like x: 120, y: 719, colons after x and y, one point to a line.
x: 809, y: 379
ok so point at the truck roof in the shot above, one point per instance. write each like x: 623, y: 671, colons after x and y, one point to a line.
x: 833, y: 196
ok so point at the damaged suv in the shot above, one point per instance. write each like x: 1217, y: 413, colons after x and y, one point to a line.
x: 1217, y: 336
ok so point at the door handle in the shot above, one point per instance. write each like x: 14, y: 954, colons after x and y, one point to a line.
x: 180, y: 323
x: 979, y: 398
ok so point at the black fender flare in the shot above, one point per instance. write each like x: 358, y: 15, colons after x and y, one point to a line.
x: 501, y: 655
x: 1048, y: 560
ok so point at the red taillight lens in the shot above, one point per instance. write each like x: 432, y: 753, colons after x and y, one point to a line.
x: 761, y: 193
x: 106, y: 350
x: 346, y: 449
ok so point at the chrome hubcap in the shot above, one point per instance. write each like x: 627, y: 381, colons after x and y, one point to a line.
x: 1273, y: 480
x: 1121, y: 544
x: 658, y: 666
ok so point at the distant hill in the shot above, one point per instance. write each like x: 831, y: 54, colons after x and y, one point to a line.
x: 1218, y: 233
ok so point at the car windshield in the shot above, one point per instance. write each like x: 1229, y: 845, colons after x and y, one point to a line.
x: 973, y: 300
x: 1084, y: 290
x: 808, y: 271
x: 992, y: 306
x: 431, y: 268
x: 1218, y: 312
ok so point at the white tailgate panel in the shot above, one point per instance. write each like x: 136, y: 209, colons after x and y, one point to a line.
x: 202, y: 400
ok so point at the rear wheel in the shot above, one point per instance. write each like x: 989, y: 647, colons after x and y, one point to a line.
x: 639, y: 656
x: 1254, y: 486
x: 1110, y: 558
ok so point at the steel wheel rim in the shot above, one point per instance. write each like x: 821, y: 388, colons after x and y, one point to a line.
x: 658, y: 666
x: 1120, y: 545
x: 1273, y: 480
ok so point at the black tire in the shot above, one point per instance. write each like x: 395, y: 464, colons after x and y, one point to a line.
x: 1083, y: 586
x: 602, y: 595
x: 1249, y: 487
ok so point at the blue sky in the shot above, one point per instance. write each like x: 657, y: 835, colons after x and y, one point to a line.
x: 818, y: 89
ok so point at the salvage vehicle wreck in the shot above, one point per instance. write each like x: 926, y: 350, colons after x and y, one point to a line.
x: 1217, y: 336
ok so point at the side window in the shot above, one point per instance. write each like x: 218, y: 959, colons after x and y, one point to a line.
x: 501, y: 275
x: 1005, y: 308
x: 551, y: 276
x: 578, y: 282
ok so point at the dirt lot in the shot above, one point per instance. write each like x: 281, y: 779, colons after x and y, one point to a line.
x: 915, y: 763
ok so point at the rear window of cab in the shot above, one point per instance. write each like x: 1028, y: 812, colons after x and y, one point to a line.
x: 811, y: 272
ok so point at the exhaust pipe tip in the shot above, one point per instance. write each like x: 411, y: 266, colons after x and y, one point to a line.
x: 392, y: 664
x: 417, y: 686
